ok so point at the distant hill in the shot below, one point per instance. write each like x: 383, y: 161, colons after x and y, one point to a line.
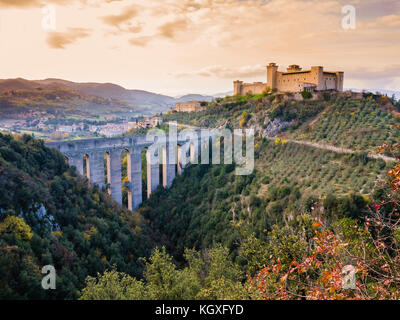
x: 17, y: 84
x: 190, y: 97
x: 389, y: 93
x: 136, y: 98
x: 141, y: 101
x: 223, y: 94
x: 62, y: 101
x: 110, y: 90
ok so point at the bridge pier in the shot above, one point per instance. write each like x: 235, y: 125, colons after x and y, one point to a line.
x: 153, y: 170
x: 96, y: 160
x: 205, y: 150
x: 183, y: 158
x: 181, y: 166
x: 169, y: 161
x: 135, y: 198
x: 115, y: 175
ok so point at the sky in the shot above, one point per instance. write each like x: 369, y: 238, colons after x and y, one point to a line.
x: 177, y: 47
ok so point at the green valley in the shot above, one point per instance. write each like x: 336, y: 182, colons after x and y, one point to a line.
x: 213, y: 234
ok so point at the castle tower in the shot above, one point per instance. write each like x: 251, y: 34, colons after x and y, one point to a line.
x: 339, y: 80
x: 294, y: 68
x: 272, y: 70
x: 317, y: 73
x: 237, y: 87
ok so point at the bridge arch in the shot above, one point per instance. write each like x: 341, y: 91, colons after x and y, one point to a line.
x: 100, y: 161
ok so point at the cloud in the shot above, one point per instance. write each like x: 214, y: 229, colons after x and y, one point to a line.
x: 59, y: 40
x: 389, y: 21
x: 122, y: 22
x: 384, y: 78
x: 169, y: 29
x: 389, y: 72
x: 39, y: 3
x: 118, y: 19
x: 228, y: 72
x: 140, y: 41
x: 20, y: 3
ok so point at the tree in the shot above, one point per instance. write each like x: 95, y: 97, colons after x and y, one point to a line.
x: 113, y: 285
x: 371, y: 250
x: 17, y: 226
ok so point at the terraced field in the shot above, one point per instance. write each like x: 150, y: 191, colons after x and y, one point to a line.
x: 355, y: 124
x: 317, y: 171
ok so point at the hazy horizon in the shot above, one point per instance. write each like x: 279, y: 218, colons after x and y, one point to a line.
x: 180, y: 94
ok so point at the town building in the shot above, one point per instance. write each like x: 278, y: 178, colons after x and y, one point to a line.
x: 189, y: 106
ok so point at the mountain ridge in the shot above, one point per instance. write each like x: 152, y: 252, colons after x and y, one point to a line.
x: 135, y: 97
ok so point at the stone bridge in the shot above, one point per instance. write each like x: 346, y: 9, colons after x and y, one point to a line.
x: 101, y: 160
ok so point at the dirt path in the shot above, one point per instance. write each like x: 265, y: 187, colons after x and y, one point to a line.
x: 325, y: 146
x: 320, y: 145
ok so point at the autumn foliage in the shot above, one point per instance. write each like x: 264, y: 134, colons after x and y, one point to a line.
x: 369, y: 250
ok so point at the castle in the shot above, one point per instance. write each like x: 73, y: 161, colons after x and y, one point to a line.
x: 293, y: 80
x: 189, y: 106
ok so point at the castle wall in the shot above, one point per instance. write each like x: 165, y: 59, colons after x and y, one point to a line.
x: 253, y: 88
x: 329, y: 81
x: 189, y: 106
x: 292, y: 81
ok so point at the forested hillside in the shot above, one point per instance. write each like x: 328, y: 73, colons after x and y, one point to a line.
x: 49, y: 216
x: 287, y: 230
x: 255, y: 243
x: 207, y: 203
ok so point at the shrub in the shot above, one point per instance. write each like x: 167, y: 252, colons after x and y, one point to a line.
x: 306, y: 95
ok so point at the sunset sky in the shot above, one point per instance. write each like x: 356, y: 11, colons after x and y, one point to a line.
x: 197, y: 46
